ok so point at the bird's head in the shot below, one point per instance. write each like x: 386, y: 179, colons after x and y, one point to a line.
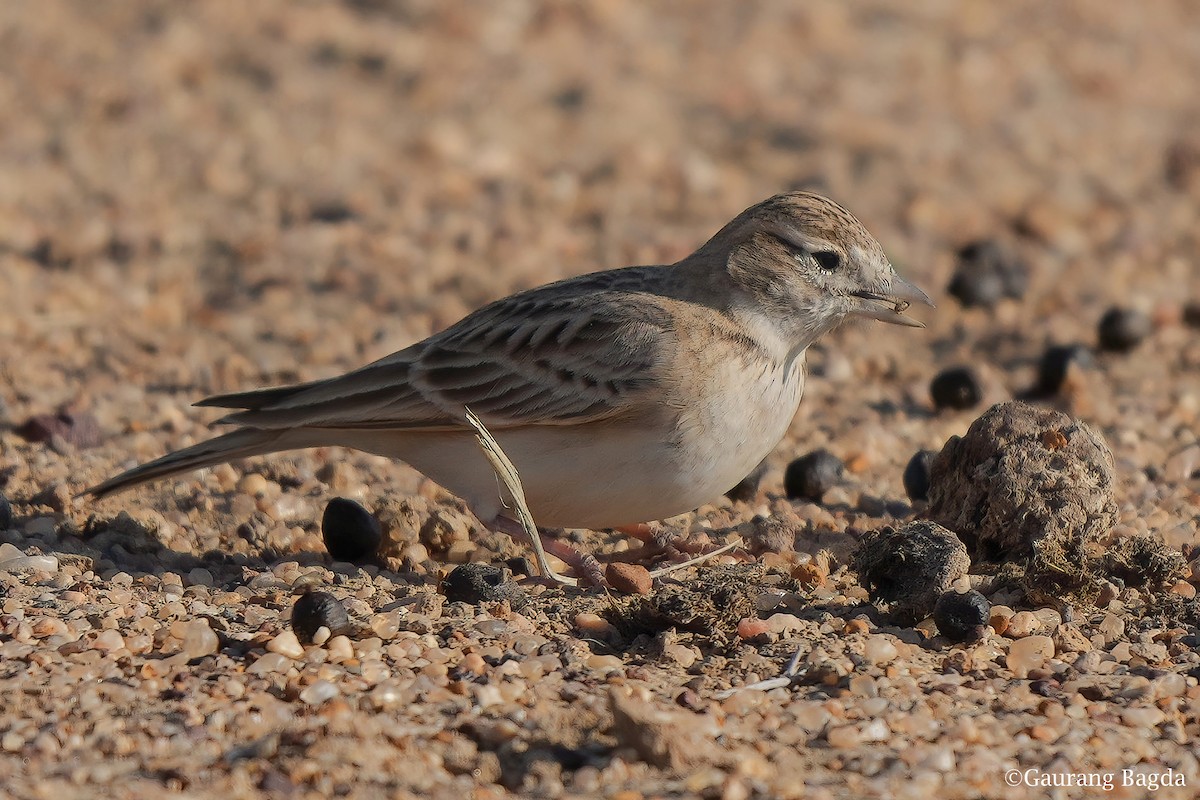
x: 806, y: 260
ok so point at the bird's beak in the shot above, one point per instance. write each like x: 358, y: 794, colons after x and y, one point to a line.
x: 890, y: 303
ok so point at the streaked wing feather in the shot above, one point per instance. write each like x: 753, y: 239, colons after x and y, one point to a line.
x: 540, y: 358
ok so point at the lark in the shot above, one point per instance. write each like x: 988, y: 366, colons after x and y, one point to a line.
x: 622, y: 397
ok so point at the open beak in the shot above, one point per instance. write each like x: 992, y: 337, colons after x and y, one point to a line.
x: 890, y: 304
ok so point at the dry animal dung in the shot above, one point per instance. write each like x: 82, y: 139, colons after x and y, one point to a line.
x: 1022, y: 474
x: 910, y: 567
x: 811, y: 476
x: 350, y: 532
x: 962, y: 617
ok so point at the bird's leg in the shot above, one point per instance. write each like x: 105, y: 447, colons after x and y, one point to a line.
x: 585, y: 565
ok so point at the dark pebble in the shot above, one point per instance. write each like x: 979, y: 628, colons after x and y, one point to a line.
x: 962, y: 617
x: 1056, y: 362
x: 811, y: 476
x: 350, y: 532
x: 1191, y: 315
x: 747, y: 488
x: 986, y: 273
x: 6, y: 514
x: 316, y: 610
x: 78, y: 429
x: 1122, y: 329
x: 482, y: 583
x: 916, y: 475
x: 957, y: 388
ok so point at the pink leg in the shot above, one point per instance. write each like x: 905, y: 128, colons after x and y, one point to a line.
x: 585, y: 565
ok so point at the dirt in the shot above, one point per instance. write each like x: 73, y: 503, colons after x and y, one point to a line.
x: 212, y: 197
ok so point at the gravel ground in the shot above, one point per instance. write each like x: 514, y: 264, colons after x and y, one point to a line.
x: 208, y: 197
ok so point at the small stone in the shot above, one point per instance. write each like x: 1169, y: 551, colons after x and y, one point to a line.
x: 1112, y: 627
x: 962, y: 617
x: 318, y: 692
x: 1022, y: 624
x: 316, y: 610
x: 601, y: 663
x: 956, y: 388
x: 199, y: 639
x: 747, y: 488
x: 987, y: 272
x: 76, y: 429
x: 1030, y: 653
x: 350, y: 532
x: 844, y: 736
x: 6, y: 515
x: 811, y: 476
x: 879, y: 649
x: 752, y: 628
x: 1056, y: 364
x: 628, y: 578
x: 1123, y: 329
x: 286, y: 644
x: 253, y: 484
x: 270, y: 664
x: 108, y: 641
x: 916, y: 475
x: 1142, y: 717
x: 340, y: 649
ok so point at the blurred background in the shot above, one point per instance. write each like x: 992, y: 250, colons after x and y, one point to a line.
x: 210, y: 196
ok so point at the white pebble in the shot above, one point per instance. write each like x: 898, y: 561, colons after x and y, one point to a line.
x: 318, y: 693
x: 286, y: 644
x: 879, y: 649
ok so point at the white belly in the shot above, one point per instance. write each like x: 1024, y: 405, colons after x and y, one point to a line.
x: 607, y: 475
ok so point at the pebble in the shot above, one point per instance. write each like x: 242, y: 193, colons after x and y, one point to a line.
x: 318, y: 692
x: 197, y: 636
x: 270, y: 664
x: 286, y: 644
x: 601, y: 663
x: 956, y: 388
x: 350, y: 532
x: 1111, y: 627
x: 30, y: 564
x: 916, y: 475
x: 108, y: 641
x: 812, y: 475
x: 1022, y: 624
x: 1122, y: 329
x: 879, y: 649
x: 316, y: 610
x: 340, y: 649
x: 628, y: 578
x: 1028, y: 654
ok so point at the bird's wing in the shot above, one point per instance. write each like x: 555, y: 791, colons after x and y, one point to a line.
x: 538, y: 358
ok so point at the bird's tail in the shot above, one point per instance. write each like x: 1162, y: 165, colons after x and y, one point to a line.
x: 238, y: 444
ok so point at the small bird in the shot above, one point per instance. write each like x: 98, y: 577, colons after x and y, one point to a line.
x: 622, y: 397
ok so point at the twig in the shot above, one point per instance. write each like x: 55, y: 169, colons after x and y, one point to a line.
x: 507, y: 473
x: 691, y: 562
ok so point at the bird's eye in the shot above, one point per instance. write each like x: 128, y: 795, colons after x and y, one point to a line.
x: 827, y: 260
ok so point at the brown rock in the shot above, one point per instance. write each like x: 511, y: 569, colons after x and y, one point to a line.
x: 628, y: 578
